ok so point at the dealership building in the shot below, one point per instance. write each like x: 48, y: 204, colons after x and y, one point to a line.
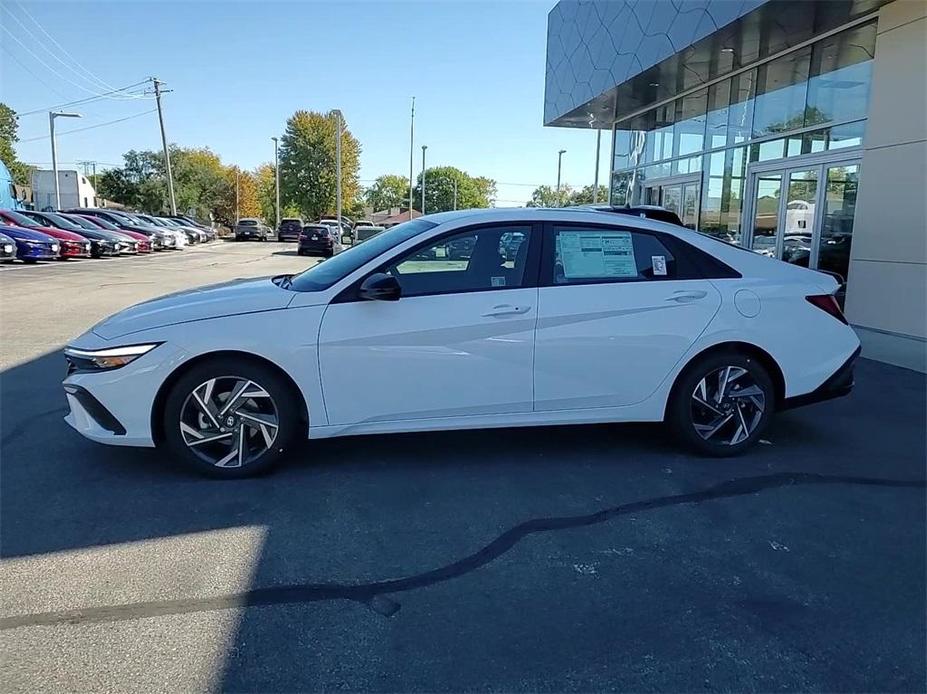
x: 795, y: 128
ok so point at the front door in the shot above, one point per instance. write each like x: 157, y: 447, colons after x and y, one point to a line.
x: 459, y: 342
x: 681, y: 197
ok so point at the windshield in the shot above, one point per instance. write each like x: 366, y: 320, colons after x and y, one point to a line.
x: 325, y: 274
x: 20, y: 219
x: 81, y: 222
x: 106, y: 224
x: 62, y: 222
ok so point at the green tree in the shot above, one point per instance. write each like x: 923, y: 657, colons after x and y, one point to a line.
x: 546, y: 196
x: 307, y: 163
x: 264, y: 184
x: 583, y: 196
x: 472, y: 191
x: 9, y: 128
x: 389, y: 190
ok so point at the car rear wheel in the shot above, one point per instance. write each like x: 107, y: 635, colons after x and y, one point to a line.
x: 721, y: 404
x: 231, y: 418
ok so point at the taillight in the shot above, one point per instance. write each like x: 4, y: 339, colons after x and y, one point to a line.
x: 828, y: 304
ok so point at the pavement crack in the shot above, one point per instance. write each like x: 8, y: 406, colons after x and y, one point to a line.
x: 375, y: 595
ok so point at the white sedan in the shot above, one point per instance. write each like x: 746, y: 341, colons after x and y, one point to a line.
x: 538, y: 317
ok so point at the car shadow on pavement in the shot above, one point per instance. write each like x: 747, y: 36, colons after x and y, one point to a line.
x: 529, y: 559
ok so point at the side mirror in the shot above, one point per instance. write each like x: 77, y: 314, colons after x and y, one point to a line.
x: 380, y: 287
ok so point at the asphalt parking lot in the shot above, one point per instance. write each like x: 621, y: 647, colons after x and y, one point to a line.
x: 594, y: 558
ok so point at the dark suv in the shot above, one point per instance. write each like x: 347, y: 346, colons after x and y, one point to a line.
x: 289, y: 229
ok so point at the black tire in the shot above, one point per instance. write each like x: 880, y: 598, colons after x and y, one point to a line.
x: 30, y: 261
x: 682, y: 408
x: 299, y: 251
x: 284, y: 397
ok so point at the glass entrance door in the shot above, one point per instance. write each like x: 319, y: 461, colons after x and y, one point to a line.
x: 679, y: 197
x: 804, y: 214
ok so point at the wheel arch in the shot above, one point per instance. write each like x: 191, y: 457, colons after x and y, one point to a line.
x: 157, y: 408
x: 762, y: 356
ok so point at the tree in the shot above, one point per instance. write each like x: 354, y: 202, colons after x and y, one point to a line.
x: 389, y: 190
x: 9, y: 127
x: 308, y: 165
x: 472, y: 191
x: 249, y: 204
x: 584, y: 196
x: 546, y: 196
x: 264, y: 186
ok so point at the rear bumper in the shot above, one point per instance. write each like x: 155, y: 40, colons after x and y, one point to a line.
x: 839, y: 383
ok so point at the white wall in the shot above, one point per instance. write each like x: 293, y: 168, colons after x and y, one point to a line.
x: 76, y: 190
x: 887, y: 284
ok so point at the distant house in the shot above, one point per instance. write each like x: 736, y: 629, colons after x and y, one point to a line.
x: 393, y: 216
x: 75, y: 189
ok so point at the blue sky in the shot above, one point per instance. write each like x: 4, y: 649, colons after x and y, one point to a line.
x: 239, y: 69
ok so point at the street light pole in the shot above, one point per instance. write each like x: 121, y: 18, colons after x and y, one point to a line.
x: 277, y: 182
x: 51, y: 127
x: 424, y: 147
x: 455, y: 193
x: 338, y: 169
x: 411, y: 150
x: 598, y: 148
x: 559, y: 161
x: 237, y: 193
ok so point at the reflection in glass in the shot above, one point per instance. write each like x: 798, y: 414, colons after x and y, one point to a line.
x: 719, y: 96
x: 663, y: 135
x: 766, y: 214
x: 740, y: 116
x: 622, y: 150
x: 839, y: 212
x: 690, y: 205
x: 671, y: 198
x: 841, y: 73
x: 799, y: 217
x: 689, y: 130
x: 838, y: 137
x: 781, y: 88
x: 722, y: 196
x: 621, y: 188
x: 769, y: 150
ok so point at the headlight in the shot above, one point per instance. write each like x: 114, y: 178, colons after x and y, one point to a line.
x: 7, y: 248
x: 105, y: 359
x: 54, y: 247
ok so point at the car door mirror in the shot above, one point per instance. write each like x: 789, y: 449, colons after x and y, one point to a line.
x: 380, y: 287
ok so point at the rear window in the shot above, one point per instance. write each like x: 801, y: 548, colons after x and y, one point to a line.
x: 291, y: 222
x: 247, y: 223
x: 315, y: 229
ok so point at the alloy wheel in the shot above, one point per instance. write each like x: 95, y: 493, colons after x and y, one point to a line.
x: 727, y: 406
x: 229, y: 421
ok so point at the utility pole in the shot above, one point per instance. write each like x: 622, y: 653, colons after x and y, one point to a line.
x: 424, y: 147
x: 167, y: 155
x: 455, y: 193
x: 51, y: 127
x: 276, y: 182
x: 411, y: 149
x: 338, y: 169
x: 559, y: 161
x: 598, y: 147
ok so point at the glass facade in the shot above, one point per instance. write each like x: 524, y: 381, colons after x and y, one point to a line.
x: 810, y: 101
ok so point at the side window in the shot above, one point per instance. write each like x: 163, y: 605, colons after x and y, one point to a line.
x: 595, y: 255
x: 481, y: 259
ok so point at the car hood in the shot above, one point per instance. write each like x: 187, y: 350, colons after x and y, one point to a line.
x: 214, y: 301
x: 24, y: 234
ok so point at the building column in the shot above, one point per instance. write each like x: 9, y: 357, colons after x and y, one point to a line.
x: 887, y: 286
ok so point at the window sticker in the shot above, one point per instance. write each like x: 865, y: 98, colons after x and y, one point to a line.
x: 591, y: 254
x: 497, y: 281
x: 659, y: 264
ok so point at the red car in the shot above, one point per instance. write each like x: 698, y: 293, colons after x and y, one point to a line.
x: 89, y: 222
x: 71, y: 245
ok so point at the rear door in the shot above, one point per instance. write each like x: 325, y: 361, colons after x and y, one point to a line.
x: 616, y: 312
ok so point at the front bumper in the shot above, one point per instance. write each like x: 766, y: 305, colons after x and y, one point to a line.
x: 26, y: 251
x: 839, y: 383
x: 74, y: 249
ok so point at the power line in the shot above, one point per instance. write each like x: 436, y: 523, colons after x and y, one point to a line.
x: 85, y: 100
x: 91, y: 127
x: 90, y: 76
x: 27, y: 69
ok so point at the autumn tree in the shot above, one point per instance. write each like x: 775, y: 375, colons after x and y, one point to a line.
x: 308, y: 164
x: 547, y: 196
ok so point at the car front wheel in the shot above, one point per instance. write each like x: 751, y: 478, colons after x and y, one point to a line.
x: 231, y: 418
x: 722, y: 404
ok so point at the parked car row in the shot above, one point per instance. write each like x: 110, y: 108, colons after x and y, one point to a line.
x: 31, y: 236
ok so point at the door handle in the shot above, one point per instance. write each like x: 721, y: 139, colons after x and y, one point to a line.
x: 505, y: 310
x: 685, y: 296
